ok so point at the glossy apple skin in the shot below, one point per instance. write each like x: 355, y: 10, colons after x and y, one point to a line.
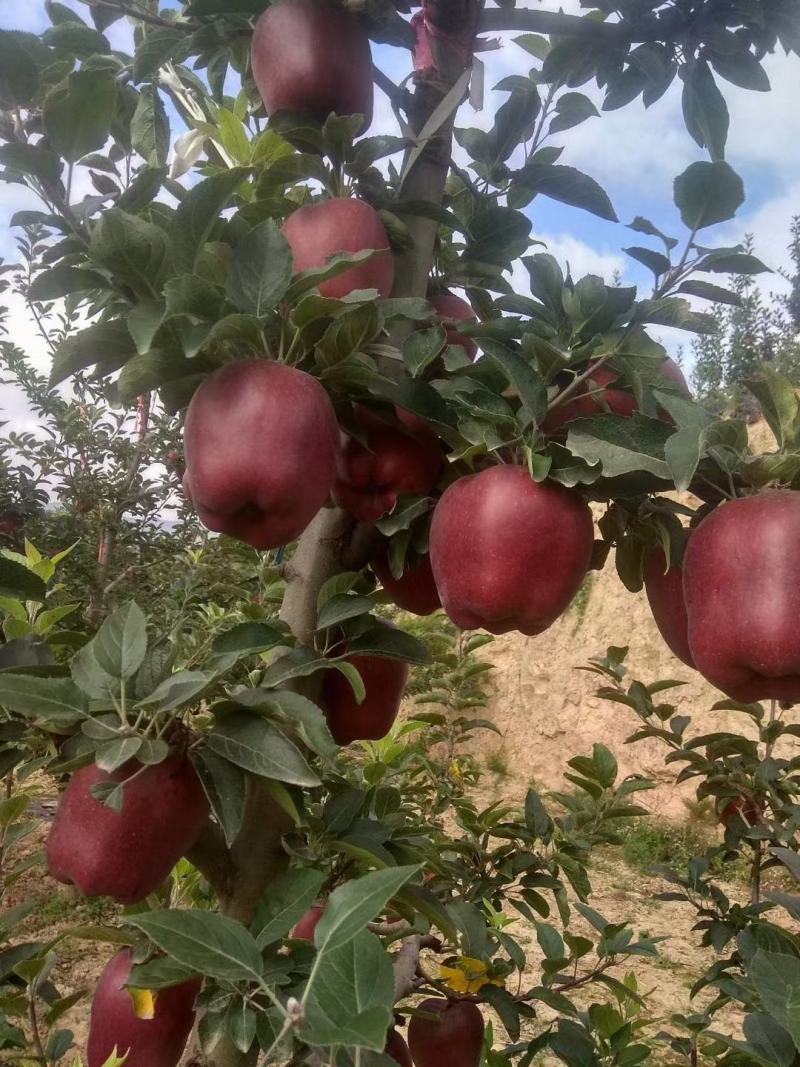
x: 415, y: 590
x: 450, y: 306
x: 371, y: 476
x: 385, y: 682
x: 398, y: 1049
x: 593, y: 401
x: 312, y: 57
x: 126, y: 855
x: 509, y: 553
x: 304, y: 930
x: 454, y: 1040
x: 664, y: 590
x: 156, y: 1042
x: 345, y: 224
x: 741, y: 581
x: 261, y: 441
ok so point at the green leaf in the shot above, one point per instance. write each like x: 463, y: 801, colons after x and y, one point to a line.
x: 31, y: 159
x: 655, y: 261
x: 732, y: 263
x: 78, y: 115
x: 708, y: 193
x: 189, y: 294
x: 225, y: 785
x: 704, y: 109
x: 142, y: 190
x: 150, y: 128
x: 107, y: 344
x: 780, y: 406
x: 567, y: 185
x: 210, y: 944
x: 769, y: 1039
x: 350, y: 995
x: 257, y: 746
x: 571, y: 110
x: 303, y: 714
x: 621, y: 445
x: 62, y: 280
x: 131, y: 248
x: 159, y: 46
x: 383, y: 640
x: 345, y: 606
x: 522, y: 377
x: 707, y: 291
x: 248, y: 638
x: 17, y: 580
x: 261, y: 270
x: 121, y: 642
x: 352, y: 905
x: 233, y: 136
x: 183, y: 687
x: 685, y: 448
x: 76, y: 39
x: 422, y: 347
x: 286, y: 901
x: 197, y: 214
x: 742, y: 69
x: 19, y: 69
x: 776, y: 978
x: 50, y: 701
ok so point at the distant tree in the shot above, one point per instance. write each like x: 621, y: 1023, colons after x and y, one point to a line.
x: 753, y: 329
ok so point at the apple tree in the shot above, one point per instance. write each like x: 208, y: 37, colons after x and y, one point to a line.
x: 256, y: 264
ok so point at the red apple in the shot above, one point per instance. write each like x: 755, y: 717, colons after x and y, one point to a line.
x: 318, y: 231
x: 384, y: 681
x: 450, y: 306
x: 394, y: 460
x: 261, y: 441
x: 415, y: 590
x: 454, y: 1039
x: 665, y: 594
x: 749, y: 811
x: 398, y: 1049
x: 312, y: 57
x: 509, y: 553
x: 595, y: 396
x: 156, y: 1042
x: 741, y: 580
x: 304, y: 930
x: 127, y: 854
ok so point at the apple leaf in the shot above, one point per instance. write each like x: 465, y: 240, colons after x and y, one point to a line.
x: 19, y: 581
x: 353, y: 905
x: 708, y: 193
x: 261, y: 270
x: 50, y: 701
x: 350, y: 994
x: 621, y: 445
x: 383, y: 640
x: 225, y: 785
x: 121, y: 642
x: 207, y: 943
x: 259, y: 747
x: 288, y: 899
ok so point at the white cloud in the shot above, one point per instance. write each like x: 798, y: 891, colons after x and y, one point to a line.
x: 582, y: 257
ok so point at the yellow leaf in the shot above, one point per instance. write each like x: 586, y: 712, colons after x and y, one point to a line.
x: 144, y: 1003
x: 455, y: 978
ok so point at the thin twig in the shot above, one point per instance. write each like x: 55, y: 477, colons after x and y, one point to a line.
x: 132, y: 12
x: 575, y: 384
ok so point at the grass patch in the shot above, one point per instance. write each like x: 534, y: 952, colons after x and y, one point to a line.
x: 497, y: 764
x: 650, y: 843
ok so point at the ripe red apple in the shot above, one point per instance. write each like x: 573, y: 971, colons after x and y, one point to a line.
x: 450, y: 306
x: 665, y: 594
x: 596, y: 395
x: 261, y: 441
x: 509, y: 553
x: 415, y: 590
x: 749, y: 810
x: 454, y: 1039
x: 384, y: 681
x: 318, y: 231
x: 371, y: 476
x: 398, y: 1049
x: 127, y: 854
x: 156, y: 1042
x: 312, y: 57
x: 304, y: 930
x: 741, y: 580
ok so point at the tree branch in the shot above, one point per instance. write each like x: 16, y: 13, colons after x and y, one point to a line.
x: 405, y: 967
x: 133, y: 12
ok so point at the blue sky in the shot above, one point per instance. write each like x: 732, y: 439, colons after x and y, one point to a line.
x: 634, y: 153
